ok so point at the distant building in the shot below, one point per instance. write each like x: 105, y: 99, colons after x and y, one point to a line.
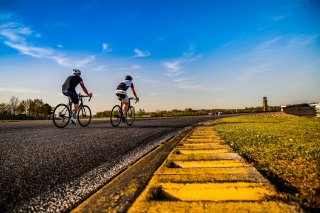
x: 265, y: 104
x: 317, y: 108
x: 299, y: 109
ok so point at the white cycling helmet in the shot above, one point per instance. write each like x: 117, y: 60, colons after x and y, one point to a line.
x: 76, y: 72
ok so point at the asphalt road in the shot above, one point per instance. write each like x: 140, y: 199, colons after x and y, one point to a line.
x: 44, y: 168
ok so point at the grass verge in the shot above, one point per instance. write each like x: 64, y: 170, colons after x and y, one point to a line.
x: 286, y: 149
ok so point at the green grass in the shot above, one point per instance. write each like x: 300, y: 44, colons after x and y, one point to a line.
x: 284, y: 148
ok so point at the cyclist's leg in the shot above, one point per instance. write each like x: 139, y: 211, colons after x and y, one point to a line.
x: 126, y: 105
x: 75, y: 100
x: 123, y: 97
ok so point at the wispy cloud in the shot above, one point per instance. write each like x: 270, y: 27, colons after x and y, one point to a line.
x: 175, y: 67
x: 303, y: 40
x: 67, y: 62
x: 135, y: 66
x: 17, y: 36
x: 141, y: 53
x: 185, y: 83
x: 100, y: 68
x: 106, y: 47
x: 17, y: 90
x: 278, y: 18
x: 161, y: 38
x: 24, y: 48
x: 268, y: 43
x: 153, y: 94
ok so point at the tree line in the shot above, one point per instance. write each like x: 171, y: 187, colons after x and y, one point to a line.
x: 29, y: 107
x: 192, y: 112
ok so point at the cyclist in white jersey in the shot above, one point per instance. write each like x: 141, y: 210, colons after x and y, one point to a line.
x: 121, y: 92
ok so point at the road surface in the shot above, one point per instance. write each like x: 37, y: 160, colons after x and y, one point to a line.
x: 44, y: 168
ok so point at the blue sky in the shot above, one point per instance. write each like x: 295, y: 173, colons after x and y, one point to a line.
x: 198, y: 54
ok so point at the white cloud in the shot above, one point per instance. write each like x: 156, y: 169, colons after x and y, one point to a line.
x: 141, y: 53
x: 11, y: 35
x: 60, y: 46
x: 37, y: 52
x: 72, y: 62
x: 106, y: 47
x: 17, y: 35
x: 24, y: 31
x: 175, y: 67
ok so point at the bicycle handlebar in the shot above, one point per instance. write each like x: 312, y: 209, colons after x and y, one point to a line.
x: 132, y: 98
x: 84, y: 96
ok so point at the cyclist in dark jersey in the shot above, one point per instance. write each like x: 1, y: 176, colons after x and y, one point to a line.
x: 69, y: 89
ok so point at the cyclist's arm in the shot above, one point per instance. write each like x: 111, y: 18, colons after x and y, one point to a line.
x: 133, y: 91
x: 85, y: 89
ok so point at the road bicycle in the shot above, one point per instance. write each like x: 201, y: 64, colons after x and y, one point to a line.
x: 117, y: 114
x: 62, y: 113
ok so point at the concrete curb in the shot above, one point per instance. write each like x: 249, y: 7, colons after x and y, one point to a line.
x: 203, y: 174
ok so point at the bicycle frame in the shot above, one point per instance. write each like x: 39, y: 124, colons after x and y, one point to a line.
x: 80, y: 101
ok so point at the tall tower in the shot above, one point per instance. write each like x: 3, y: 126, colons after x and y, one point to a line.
x: 265, y: 104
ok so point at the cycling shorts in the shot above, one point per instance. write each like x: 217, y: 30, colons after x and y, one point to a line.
x: 122, y: 95
x: 74, y: 97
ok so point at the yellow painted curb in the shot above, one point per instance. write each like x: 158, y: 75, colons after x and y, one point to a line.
x: 203, y: 174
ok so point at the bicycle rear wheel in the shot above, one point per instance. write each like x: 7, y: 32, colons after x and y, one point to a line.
x: 84, y: 115
x: 61, y: 116
x: 116, y: 115
x: 131, y: 115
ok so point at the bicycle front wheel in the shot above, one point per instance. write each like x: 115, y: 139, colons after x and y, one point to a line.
x: 131, y: 115
x: 84, y: 115
x: 116, y: 115
x: 61, y: 116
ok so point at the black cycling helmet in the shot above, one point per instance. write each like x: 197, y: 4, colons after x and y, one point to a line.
x: 128, y: 77
x: 76, y: 72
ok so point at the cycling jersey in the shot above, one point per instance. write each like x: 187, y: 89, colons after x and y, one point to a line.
x: 121, y: 91
x: 71, y: 83
x: 69, y: 88
x: 124, y: 85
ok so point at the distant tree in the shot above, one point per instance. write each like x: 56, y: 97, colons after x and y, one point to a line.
x: 188, y: 109
x: 32, y: 107
x: 21, y: 108
x: 4, y: 108
x: 14, y: 101
x: 46, y: 109
x: 38, y: 103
